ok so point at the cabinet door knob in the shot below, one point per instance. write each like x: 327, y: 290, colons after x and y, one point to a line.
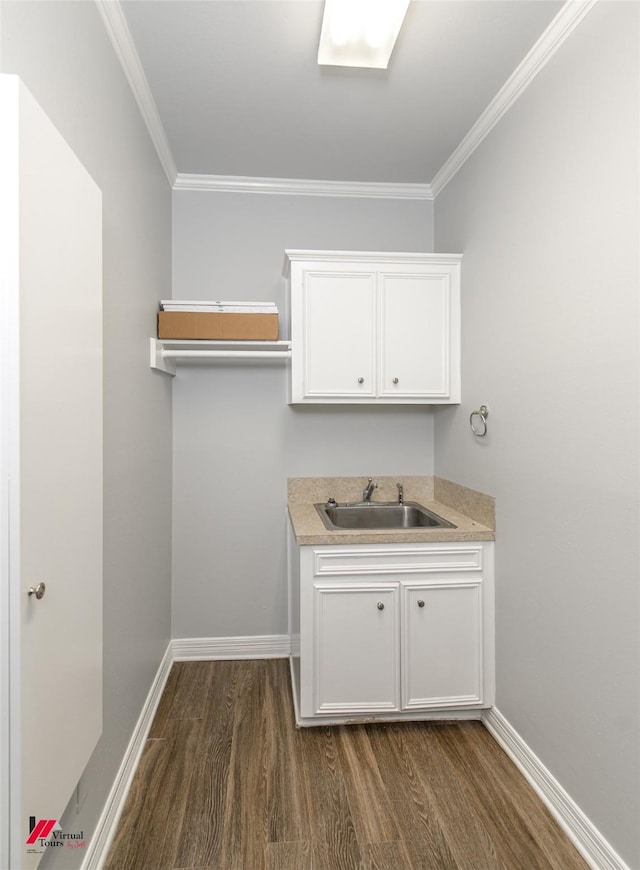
x: 395, y: 380
x: 420, y: 603
x: 361, y: 380
x: 380, y: 605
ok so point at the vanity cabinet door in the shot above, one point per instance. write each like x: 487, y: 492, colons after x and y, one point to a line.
x: 356, y: 648
x: 442, y: 645
x: 339, y: 339
x: 415, y: 312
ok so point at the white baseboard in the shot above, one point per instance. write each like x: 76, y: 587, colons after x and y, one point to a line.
x: 267, y: 646
x: 587, y: 839
x: 107, y: 823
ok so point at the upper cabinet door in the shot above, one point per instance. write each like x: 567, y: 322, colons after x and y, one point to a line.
x: 377, y: 328
x: 415, y: 335
x: 339, y: 334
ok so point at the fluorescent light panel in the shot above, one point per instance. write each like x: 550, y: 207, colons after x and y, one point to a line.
x: 360, y: 32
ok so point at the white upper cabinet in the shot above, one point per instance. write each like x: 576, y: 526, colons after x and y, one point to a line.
x: 374, y: 327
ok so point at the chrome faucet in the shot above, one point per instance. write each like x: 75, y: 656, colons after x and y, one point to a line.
x: 368, y: 490
x: 400, y: 493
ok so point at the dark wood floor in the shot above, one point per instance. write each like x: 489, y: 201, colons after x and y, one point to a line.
x: 226, y: 780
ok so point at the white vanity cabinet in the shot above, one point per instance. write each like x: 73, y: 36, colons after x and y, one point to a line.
x: 391, y: 631
x: 368, y: 327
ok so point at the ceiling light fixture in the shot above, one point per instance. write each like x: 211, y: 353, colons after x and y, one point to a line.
x: 360, y: 32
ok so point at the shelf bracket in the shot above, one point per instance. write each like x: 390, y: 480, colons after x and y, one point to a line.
x: 157, y: 359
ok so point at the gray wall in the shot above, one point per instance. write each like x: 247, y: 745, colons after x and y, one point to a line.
x: 235, y: 438
x: 546, y: 213
x: 63, y: 55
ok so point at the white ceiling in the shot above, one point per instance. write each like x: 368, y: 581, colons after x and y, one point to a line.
x: 239, y: 91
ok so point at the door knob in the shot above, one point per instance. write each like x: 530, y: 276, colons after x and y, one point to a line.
x: 38, y: 591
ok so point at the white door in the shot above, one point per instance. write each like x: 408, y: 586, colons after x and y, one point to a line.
x: 415, y: 350
x: 442, y: 645
x: 339, y: 334
x: 51, y: 376
x: 356, y: 656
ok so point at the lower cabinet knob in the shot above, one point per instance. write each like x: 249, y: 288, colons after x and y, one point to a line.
x: 380, y: 605
x: 361, y: 380
x: 421, y: 603
x: 395, y: 380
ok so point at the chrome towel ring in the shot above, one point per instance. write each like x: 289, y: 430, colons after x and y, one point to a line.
x: 479, y: 428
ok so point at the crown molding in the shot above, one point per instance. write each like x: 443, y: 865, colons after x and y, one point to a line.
x: 301, y: 187
x: 570, y: 15
x: 397, y: 257
x: 120, y: 36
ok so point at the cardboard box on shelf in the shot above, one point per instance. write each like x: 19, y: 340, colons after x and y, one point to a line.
x: 215, y: 325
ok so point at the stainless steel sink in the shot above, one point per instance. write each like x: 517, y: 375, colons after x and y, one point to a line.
x: 380, y: 515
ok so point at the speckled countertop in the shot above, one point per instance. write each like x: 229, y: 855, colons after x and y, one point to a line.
x: 472, y: 512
